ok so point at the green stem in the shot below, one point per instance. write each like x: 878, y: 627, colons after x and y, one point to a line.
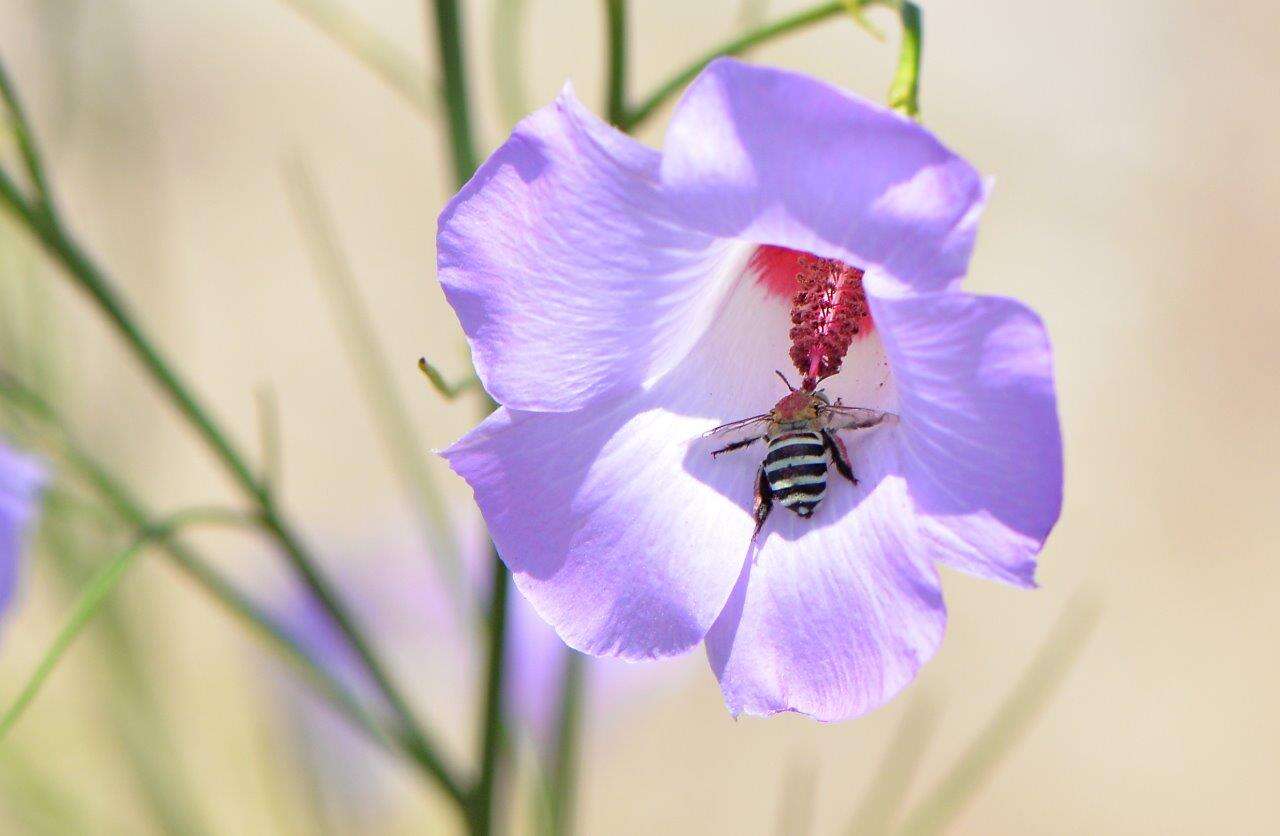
x: 616, y: 94
x: 492, y: 731
x: 482, y: 797
x: 564, y: 775
x: 26, y: 142
x: 63, y: 249
x: 91, y: 600
x: 734, y: 46
x: 454, y: 73
x: 903, y: 94
x: 130, y: 509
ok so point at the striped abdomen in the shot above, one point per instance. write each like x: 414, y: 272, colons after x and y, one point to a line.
x: 796, y: 469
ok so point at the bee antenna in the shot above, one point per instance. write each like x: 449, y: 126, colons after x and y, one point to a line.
x: 784, y: 379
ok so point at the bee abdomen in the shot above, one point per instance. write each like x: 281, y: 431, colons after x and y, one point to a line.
x: 796, y: 470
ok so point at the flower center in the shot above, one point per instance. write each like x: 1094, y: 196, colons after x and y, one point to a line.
x: 828, y: 307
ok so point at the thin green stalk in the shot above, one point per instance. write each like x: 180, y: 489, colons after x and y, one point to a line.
x: 493, y: 727
x: 482, y: 800
x: 91, y: 600
x: 138, y: 723
x: 454, y: 73
x: 81, y: 269
x: 734, y: 46
x: 616, y: 93
x: 564, y: 774
x: 395, y: 69
x: 130, y: 509
x: 508, y: 60
x: 1038, y: 685
x: 396, y: 429
x: 903, y: 93
x: 26, y: 142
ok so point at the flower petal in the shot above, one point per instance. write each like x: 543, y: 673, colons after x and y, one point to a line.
x: 835, y: 614
x: 21, y: 480
x: 607, y: 536
x: 777, y: 157
x: 981, y: 446
x: 565, y: 267
x: 619, y: 526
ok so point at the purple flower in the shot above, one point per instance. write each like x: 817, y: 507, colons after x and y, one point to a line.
x: 21, y: 479
x: 397, y: 596
x: 620, y: 302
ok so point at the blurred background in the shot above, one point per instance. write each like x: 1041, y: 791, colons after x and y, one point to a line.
x: 1135, y: 209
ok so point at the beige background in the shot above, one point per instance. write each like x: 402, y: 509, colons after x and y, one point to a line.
x: 1135, y: 209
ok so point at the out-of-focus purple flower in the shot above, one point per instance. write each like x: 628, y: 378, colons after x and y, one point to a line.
x: 398, y: 598
x: 621, y: 301
x: 21, y: 479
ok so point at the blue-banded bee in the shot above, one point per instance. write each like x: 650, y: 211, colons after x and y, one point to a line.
x: 800, y: 432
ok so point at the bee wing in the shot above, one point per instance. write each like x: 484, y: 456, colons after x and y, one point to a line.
x: 841, y: 417
x: 735, y: 426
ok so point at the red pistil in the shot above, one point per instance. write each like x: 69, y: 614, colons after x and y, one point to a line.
x: 828, y: 306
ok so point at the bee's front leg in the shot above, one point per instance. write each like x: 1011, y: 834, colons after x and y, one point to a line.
x: 839, y: 455
x: 737, y: 445
x: 764, y: 501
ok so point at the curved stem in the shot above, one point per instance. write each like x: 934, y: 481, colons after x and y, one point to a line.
x: 735, y: 46
x: 903, y: 94
x: 616, y: 92
x: 454, y: 73
x: 564, y: 774
x: 59, y: 244
x: 131, y: 511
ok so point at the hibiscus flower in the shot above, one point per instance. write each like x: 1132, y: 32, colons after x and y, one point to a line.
x: 622, y: 301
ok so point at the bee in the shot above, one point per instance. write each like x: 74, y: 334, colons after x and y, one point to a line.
x: 800, y: 433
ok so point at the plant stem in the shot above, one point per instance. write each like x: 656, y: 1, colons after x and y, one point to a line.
x: 26, y: 142
x: 63, y: 248
x: 903, y: 94
x: 482, y: 798
x: 735, y: 46
x: 492, y: 729
x: 449, y: 43
x: 616, y: 94
x: 131, y: 511
x: 91, y: 601
x: 564, y: 776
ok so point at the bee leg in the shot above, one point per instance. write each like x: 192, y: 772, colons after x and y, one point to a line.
x: 839, y: 455
x: 737, y: 445
x: 764, y: 501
